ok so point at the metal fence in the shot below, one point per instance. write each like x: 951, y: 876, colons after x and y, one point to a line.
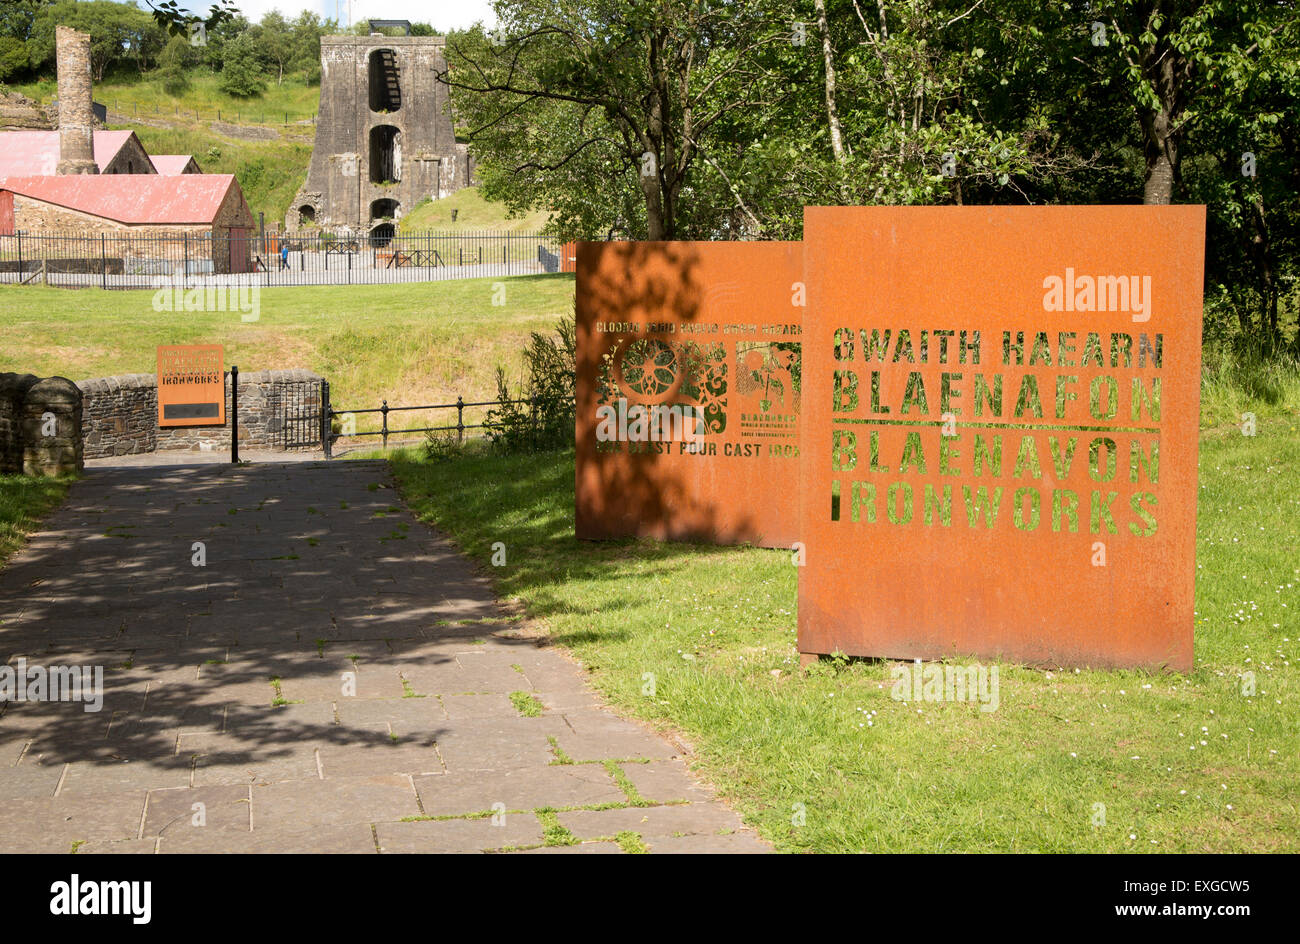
x: 338, y: 423
x: 315, y: 257
x: 253, y: 115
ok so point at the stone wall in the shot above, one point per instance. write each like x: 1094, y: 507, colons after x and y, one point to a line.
x: 120, y: 414
x: 40, y: 425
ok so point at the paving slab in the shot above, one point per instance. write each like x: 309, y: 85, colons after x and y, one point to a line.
x: 658, y: 821
x: 53, y: 824
x: 734, y: 844
x: 175, y: 811
x: 582, y: 848
x: 459, y: 835
x: 665, y: 781
x: 352, y: 839
x: 462, y: 793
x: 301, y: 804
x: 311, y: 573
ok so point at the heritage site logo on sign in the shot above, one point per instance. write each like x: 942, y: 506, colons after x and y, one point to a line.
x: 689, y: 390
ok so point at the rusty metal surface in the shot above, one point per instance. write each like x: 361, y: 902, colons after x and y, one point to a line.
x: 191, y: 385
x: 1103, y: 573
x: 131, y: 198
x: 713, y: 328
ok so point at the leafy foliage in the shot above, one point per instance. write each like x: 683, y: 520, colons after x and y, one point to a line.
x: 677, y: 119
x: 541, y: 415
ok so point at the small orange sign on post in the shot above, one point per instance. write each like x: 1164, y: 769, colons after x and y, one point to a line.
x: 191, y: 385
x: 999, y: 433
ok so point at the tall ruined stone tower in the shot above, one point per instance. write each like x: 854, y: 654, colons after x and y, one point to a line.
x: 76, y: 110
x: 384, y: 136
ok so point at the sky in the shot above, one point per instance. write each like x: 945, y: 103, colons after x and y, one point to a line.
x: 441, y: 14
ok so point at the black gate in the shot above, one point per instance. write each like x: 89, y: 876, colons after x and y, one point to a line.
x: 300, y: 425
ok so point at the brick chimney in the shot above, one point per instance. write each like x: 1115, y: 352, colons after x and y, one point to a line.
x: 76, y: 115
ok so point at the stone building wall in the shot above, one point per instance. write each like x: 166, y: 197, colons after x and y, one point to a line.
x: 50, y: 219
x: 120, y: 415
x: 40, y: 425
x: 339, y: 190
x: 131, y: 158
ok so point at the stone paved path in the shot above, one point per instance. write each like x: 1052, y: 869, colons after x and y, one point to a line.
x: 225, y: 724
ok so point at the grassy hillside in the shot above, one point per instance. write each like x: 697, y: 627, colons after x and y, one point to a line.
x: 472, y: 213
x: 128, y: 94
x: 409, y: 344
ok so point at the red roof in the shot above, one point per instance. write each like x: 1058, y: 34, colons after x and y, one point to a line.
x: 36, y: 153
x: 131, y: 198
x: 171, y: 165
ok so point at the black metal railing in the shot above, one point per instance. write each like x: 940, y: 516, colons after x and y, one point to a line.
x: 385, y: 431
x: 183, y: 261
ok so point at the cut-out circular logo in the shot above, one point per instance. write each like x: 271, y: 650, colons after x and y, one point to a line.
x: 649, y: 367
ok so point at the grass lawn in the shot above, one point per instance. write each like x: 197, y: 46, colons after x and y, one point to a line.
x: 1181, y: 763
x: 412, y: 343
x: 23, y: 500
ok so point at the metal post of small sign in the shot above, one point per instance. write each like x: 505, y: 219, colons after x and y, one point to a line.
x: 326, y: 420
x: 234, y: 414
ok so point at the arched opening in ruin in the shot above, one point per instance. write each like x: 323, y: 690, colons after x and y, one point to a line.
x: 382, y: 234
x: 384, y: 209
x: 385, y: 154
x: 385, y: 89
x: 306, y: 215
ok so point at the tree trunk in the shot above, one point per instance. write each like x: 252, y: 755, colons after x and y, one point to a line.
x: 832, y: 116
x: 654, y: 206
x: 1159, y: 144
x: 1268, y: 289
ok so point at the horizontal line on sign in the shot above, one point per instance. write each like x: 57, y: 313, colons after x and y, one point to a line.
x: 1029, y: 427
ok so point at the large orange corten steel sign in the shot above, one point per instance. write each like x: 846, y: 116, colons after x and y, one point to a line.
x: 1000, y: 411
x: 688, y: 391
x: 191, y: 385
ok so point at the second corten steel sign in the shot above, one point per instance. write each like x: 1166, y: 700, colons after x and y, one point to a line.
x: 999, y: 433
x: 688, y: 391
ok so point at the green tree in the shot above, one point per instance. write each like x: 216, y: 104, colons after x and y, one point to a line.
x: 117, y: 31
x: 641, y: 86
x: 13, y: 57
x: 241, y: 70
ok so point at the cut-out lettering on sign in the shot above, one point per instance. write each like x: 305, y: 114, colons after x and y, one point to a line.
x: 988, y: 393
x: 191, y: 385
x: 690, y: 360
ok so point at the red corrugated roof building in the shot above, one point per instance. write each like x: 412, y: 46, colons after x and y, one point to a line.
x: 208, y: 206
x: 173, y: 165
x: 33, y: 153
